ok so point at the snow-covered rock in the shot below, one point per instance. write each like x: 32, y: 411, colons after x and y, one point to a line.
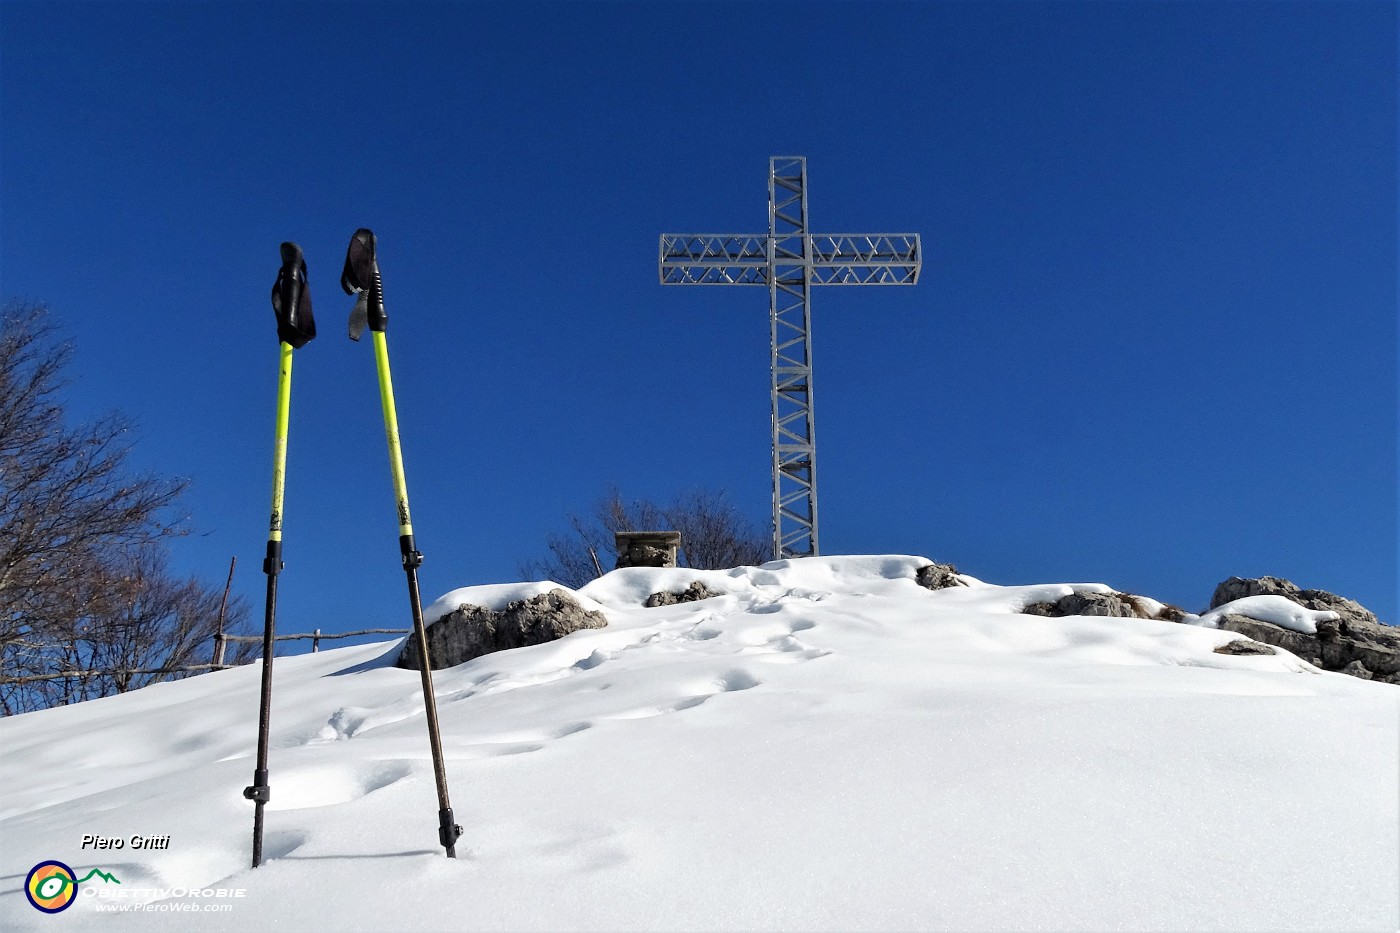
x: 1280, y: 610
x: 1332, y: 631
x: 469, y: 631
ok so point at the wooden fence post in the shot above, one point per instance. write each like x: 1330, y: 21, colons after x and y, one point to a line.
x: 219, y: 640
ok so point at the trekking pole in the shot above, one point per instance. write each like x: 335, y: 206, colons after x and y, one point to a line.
x: 361, y: 278
x: 291, y: 303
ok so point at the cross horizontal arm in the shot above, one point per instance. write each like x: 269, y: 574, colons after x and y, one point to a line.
x: 714, y: 259
x: 834, y: 259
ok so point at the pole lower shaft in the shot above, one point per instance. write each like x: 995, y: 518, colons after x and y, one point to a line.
x: 259, y: 791
x: 448, y: 830
x: 412, y: 558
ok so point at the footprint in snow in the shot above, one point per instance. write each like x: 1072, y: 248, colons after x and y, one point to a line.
x: 737, y: 679
x: 731, y: 681
x: 593, y: 660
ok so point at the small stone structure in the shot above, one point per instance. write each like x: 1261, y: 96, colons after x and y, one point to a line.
x: 647, y: 548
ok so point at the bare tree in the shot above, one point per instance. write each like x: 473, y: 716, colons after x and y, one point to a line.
x: 714, y: 535
x: 153, y: 621
x: 65, y: 493
x: 82, y: 574
x: 141, y: 626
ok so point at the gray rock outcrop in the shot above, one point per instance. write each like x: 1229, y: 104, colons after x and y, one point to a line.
x: 938, y: 576
x: 1378, y: 653
x: 1245, y: 646
x: 1357, y: 669
x: 471, y: 631
x: 1356, y: 641
x: 1089, y: 604
x: 1113, y: 605
x: 696, y: 591
x: 1239, y: 587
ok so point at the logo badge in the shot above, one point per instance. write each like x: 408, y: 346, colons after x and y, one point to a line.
x: 51, y: 886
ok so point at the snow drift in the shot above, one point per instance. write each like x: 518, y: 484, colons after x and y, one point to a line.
x: 824, y: 745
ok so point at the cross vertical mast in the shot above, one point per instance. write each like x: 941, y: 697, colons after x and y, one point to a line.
x: 790, y: 327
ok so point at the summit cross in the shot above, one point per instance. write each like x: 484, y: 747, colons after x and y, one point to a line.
x: 789, y: 260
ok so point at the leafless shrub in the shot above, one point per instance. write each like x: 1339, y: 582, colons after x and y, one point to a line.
x: 714, y: 535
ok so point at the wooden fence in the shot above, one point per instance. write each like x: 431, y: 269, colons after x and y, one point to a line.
x: 221, y: 641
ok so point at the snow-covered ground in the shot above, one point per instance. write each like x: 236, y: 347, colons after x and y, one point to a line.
x: 825, y: 746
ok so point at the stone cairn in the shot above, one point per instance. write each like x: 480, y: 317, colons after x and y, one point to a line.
x: 647, y: 548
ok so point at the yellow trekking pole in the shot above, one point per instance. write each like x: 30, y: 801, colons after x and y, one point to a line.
x: 291, y: 303
x: 361, y: 278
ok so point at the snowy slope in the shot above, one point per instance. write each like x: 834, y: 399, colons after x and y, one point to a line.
x: 825, y: 746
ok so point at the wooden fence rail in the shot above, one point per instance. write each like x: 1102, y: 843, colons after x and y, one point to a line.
x: 220, y: 642
x: 316, y: 637
x: 155, y: 670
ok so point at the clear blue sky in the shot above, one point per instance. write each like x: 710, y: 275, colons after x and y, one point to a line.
x: 1154, y: 343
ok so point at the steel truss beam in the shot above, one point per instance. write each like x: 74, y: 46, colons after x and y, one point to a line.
x: 789, y: 261
x: 837, y: 259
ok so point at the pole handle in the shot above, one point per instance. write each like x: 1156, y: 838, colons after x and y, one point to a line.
x: 361, y: 277
x: 291, y: 299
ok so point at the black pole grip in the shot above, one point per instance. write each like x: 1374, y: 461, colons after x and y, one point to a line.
x: 361, y: 276
x: 291, y: 299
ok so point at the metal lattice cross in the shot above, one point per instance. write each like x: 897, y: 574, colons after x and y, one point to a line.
x: 790, y: 260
